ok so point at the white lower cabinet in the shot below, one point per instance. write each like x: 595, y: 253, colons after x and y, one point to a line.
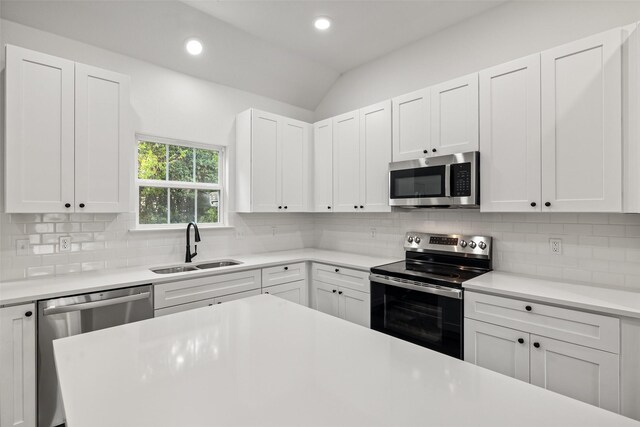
x: 18, y: 366
x: 583, y: 372
x: 293, y: 291
x: 347, y: 304
x: 497, y: 348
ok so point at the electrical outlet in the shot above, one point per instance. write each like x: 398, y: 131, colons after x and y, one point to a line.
x: 65, y: 244
x: 273, y: 231
x: 22, y: 247
x: 373, y: 233
x: 556, y: 246
x: 239, y: 234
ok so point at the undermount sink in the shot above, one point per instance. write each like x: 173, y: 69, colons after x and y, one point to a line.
x: 217, y: 264
x: 172, y: 270
x: 203, y: 266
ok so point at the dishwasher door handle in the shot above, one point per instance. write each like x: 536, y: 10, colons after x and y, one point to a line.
x: 94, y: 304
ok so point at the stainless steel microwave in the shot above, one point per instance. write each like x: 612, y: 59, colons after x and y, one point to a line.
x: 451, y: 181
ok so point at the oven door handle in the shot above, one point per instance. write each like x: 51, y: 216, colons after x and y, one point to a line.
x: 426, y: 288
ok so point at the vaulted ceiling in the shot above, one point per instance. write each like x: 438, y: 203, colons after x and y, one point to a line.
x: 266, y: 47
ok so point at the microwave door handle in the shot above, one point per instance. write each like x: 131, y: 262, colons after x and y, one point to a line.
x: 447, y: 180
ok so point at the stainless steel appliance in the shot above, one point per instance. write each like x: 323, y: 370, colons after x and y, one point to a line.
x: 451, y: 181
x: 73, y: 315
x: 421, y: 298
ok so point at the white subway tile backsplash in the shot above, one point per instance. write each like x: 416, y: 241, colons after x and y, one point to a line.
x: 597, y: 248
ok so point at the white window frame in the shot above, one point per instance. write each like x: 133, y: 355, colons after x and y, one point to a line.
x: 220, y: 186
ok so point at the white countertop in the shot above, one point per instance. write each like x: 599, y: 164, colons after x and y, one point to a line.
x: 264, y: 361
x: 49, y: 287
x: 604, y: 300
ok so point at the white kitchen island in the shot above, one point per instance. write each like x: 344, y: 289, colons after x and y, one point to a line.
x: 264, y: 361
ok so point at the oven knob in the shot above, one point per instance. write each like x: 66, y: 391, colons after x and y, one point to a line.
x: 417, y: 239
x: 472, y: 244
x: 463, y: 243
x: 482, y: 245
x: 410, y: 239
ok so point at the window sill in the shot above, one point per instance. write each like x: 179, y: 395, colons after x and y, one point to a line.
x: 181, y: 228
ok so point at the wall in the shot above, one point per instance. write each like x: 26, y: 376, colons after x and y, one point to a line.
x: 506, y: 32
x: 165, y: 103
x: 596, y: 248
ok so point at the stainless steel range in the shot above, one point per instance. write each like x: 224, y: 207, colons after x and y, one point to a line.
x: 421, y: 298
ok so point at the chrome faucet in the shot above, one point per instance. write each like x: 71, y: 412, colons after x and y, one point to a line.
x: 189, y: 256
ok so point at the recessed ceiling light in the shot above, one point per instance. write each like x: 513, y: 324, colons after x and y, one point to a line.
x: 194, y: 47
x: 322, y: 23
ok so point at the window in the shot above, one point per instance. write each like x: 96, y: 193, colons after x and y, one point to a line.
x: 178, y: 183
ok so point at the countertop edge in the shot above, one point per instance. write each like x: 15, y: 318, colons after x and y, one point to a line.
x: 111, y: 280
x: 602, y: 307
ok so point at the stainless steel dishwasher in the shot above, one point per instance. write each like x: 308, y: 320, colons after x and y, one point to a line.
x: 78, y: 314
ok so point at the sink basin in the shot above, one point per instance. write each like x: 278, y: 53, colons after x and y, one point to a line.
x: 217, y: 264
x: 172, y: 270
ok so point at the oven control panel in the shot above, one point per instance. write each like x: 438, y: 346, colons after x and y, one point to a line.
x: 455, y: 243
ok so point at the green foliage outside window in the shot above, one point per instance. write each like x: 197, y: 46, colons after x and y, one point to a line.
x: 160, y: 204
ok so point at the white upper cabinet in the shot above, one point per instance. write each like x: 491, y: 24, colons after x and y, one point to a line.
x: 294, y: 157
x: 361, y: 156
x: 39, y: 120
x: 104, y: 140
x: 581, y: 125
x: 272, y: 163
x: 411, y: 125
x: 375, y: 155
x: 510, y: 136
x: 264, y: 173
x: 68, y: 136
x: 346, y: 162
x: 323, y: 166
x: 454, y: 116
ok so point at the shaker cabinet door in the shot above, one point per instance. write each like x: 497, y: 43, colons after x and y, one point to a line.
x: 39, y: 146
x: 454, y: 116
x: 265, y: 191
x: 323, y: 166
x: 325, y: 298
x: 294, y: 157
x: 18, y: 366
x: 497, y: 348
x: 510, y: 136
x: 411, y: 125
x: 581, y: 125
x: 583, y: 373
x: 104, y: 141
x: 375, y: 155
x: 355, y: 306
x: 346, y: 162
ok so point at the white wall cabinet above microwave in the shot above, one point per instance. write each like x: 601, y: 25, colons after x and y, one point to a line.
x: 273, y: 163
x: 551, y: 130
x: 361, y: 156
x: 69, y: 140
x: 439, y: 120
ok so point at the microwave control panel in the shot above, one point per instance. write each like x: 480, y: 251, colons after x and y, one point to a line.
x: 461, y: 179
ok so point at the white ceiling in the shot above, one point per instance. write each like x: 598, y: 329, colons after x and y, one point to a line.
x: 267, y: 47
x: 361, y: 30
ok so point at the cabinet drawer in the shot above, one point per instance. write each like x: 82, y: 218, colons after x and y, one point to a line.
x: 185, y: 291
x: 184, y: 307
x: 285, y: 273
x: 588, y: 329
x: 340, y: 276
